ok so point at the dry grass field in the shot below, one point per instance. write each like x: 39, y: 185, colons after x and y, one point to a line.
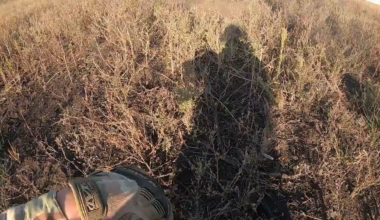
x: 226, y: 103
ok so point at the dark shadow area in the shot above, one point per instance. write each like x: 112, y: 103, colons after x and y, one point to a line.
x: 354, y: 91
x: 362, y: 98
x: 369, y: 203
x: 28, y: 136
x: 224, y: 161
x: 275, y: 5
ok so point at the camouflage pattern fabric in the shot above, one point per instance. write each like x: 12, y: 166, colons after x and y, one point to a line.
x: 126, y: 195
x: 41, y: 208
x: 130, y: 195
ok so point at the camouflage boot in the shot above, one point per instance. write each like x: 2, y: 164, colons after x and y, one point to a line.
x: 125, y: 193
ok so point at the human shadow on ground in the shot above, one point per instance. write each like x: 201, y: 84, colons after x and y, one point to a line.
x: 362, y: 98
x: 226, y: 155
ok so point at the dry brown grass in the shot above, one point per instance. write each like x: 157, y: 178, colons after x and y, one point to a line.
x: 201, y: 94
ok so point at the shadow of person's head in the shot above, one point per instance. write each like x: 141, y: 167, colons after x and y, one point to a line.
x: 233, y: 32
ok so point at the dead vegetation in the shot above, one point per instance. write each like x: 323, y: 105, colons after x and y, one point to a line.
x: 223, y: 102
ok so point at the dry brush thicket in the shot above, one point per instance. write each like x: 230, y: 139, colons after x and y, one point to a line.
x: 221, y: 101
